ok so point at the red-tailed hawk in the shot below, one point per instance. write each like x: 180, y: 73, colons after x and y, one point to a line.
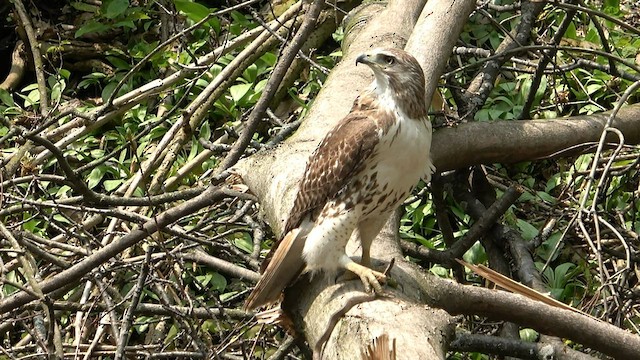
x: 361, y: 171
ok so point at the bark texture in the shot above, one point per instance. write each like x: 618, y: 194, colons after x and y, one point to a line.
x: 515, y: 141
x: 316, y: 306
x: 421, y: 332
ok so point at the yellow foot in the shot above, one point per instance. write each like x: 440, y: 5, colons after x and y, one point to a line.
x: 371, y: 279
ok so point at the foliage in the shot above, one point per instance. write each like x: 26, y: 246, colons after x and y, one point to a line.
x: 131, y: 118
x: 553, y: 188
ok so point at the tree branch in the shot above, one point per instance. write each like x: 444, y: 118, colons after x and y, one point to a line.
x: 75, y: 273
x: 515, y: 141
x: 308, y: 25
x: 501, y: 305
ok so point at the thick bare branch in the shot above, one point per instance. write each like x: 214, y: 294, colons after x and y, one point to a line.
x: 495, y: 304
x: 515, y: 141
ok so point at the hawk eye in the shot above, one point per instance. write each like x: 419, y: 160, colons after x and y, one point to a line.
x: 390, y: 60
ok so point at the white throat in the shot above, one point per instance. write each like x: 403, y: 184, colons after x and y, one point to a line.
x: 380, y: 86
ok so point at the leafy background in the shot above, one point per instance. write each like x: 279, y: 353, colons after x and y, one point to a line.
x: 96, y: 53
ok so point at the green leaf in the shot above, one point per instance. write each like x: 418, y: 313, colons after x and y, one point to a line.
x: 504, y: 99
x: 30, y: 224
x: 116, y: 8
x: 125, y: 23
x: 592, y: 35
x: 528, y: 335
x: 592, y: 88
x: 269, y: 58
x: 64, y: 189
x: 61, y: 219
x: 583, y: 162
x: 260, y: 86
x: 494, y: 114
x: 97, y: 153
x: 6, y: 98
x: 205, y: 131
x: 563, y: 271
x: 110, y: 185
x: 64, y: 73
x: 79, y: 5
x: 244, y: 242
x: 611, y: 7
x: 12, y: 278
x: 95, y: 176
x: 218, y: 282
x: 29, y: 87
x: 57, y: 89
x: 119, y: 63
x: 196, y: 12
x: 546, y: 197
x: 33, y: 98
x: 240, y: 18
x: 204, y: 279
x: 527, y: 230
x: 86, y: 83
x: 202, y: 83
x: 553, y: 182
x: 250, y: 73
x: 545, y: 250
x: 571, y: 31
x: 91, y: 27
x: 106, y: 92
x: 239, y: 91
x: 476, y: 254
x: 171, y: 334
x: 226, y: 296
x: 142, y: 324
x: 439, y: 271
x: 540, y: 91
x: 482, y: 115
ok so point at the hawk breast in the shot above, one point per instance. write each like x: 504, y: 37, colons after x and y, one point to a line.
x: 400, y: 159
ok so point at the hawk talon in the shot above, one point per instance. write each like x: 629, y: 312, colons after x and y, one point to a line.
x: 370, y: 278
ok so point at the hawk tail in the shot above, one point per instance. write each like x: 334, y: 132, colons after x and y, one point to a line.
x: 284, y: 267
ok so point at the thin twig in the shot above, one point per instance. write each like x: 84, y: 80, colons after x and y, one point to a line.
x: 127, y: 319
x: 308, y: 25
x: 37, y: 57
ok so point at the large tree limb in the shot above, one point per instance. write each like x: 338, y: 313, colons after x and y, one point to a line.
x: 514, y: 141
x: 501, y: 305
x: 273, y: 176
x: 18, y: 65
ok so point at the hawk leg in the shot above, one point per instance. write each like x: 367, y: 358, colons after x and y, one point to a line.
x: 365, y: 260
x: 371, y: 279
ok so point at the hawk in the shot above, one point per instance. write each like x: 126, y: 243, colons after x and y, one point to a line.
x: 360, y: 172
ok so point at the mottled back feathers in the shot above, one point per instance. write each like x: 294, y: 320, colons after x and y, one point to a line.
x: 340, y: 155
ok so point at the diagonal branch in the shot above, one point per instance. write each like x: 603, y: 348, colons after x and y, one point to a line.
x: 270, y: 89
x: 501, y: 305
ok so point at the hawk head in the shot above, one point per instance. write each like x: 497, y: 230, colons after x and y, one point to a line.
x: 398, y: 74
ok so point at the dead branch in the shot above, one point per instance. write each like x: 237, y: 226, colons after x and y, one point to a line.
x: 18, y: 65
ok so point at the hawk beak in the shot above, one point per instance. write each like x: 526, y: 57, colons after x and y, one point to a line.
x: 364, y: 59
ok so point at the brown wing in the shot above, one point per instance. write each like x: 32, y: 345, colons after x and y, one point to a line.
x: 340, y: 155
